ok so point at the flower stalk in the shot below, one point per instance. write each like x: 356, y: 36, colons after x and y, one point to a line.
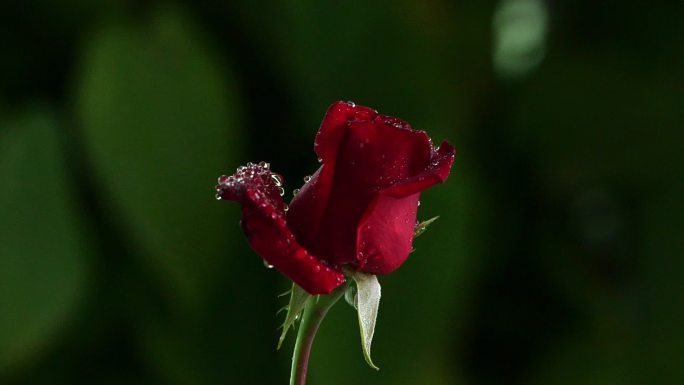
x: 314, y: 312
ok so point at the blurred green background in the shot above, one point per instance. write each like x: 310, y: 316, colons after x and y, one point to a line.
x: 557, y: 259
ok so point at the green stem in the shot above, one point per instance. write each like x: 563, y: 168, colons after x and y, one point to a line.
x: 314, y: 311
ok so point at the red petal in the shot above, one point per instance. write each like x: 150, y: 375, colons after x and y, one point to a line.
x: 363, y: 153
x: 309, y: 206
x: 385, y: 233
x: 263, y: 220
x: 437, y: 172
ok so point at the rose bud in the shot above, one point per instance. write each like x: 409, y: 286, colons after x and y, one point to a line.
x: 358, y: 210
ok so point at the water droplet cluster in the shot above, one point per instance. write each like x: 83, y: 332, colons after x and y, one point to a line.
x: 256, y: 182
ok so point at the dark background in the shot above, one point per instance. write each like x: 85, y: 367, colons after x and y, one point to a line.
x: 557, y: 258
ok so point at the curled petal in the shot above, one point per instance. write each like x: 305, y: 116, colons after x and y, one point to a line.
x: 385, y: 232
x: 259, y: 190
x: 436, y: 172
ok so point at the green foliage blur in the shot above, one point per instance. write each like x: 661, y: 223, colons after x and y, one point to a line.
x: 557, y: 258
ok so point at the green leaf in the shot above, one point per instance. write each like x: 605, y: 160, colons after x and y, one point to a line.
x: 43, y: 249
x: 367, y: 303
x: 422, y: 226
x: 298, y: 299
x: 160, y: 120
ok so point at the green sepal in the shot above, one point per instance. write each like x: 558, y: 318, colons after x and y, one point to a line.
x: 298, y: 299
x: 422, y: 226
x: 366, y: 301
x: 350, y: 295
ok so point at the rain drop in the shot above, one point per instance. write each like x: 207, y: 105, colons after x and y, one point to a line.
x: 267, y: 265
x: 286, y: 207
x: 307, y: 179
x: 295, y: 191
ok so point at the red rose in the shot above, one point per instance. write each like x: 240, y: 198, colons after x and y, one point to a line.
x: 358, y: 209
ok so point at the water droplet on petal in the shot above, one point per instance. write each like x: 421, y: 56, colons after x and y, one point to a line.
x: 276, y: 180
x: 320, y: 160
x: 351, y: 104
x: 286, y: 207
x: 295, y: 191
x: 218, y: 197
x: 267, y: 265
x: 265, y: 165
x: 281, y: 191
x: 307, y: 179
x: 418, y: 203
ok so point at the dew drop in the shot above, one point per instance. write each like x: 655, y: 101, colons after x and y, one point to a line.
x: 265, y: 165
x: 307, y: 179
x: 418, y: 203
x: 320, y: 160
x: 276, y: 180
x: 218, y: 197
x: 295, y: 191
x: 267, y: 265
x: 281, y: 191
x: 351, y: 104
x: 286, y: 207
